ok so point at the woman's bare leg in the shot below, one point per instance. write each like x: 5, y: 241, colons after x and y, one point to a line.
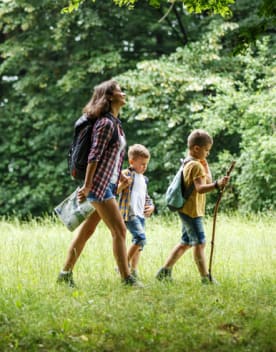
x: 109, y: 212
x: 85, y: 231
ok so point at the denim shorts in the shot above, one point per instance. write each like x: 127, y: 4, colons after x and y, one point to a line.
x: 192, y: 230
x: 109, y: 194
x: 136, y: 226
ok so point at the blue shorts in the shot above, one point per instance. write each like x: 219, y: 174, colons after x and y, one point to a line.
x: 136, y: 226
x: 192, y: 230
x: 109, y: 194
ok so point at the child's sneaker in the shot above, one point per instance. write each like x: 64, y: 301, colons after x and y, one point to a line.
x: 132, y: 281
x: 66, y: 278
x: 164, y: 274
x: 209, y: 280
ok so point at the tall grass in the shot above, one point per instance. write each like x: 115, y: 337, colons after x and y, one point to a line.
x: 102, y: 315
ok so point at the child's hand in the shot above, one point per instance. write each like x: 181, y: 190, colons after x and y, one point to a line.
x: 223, y: 181
x: 123, y: 177
x: 124, y: 182
x: 148, y: 210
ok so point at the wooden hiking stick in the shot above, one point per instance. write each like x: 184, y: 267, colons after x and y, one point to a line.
x: 214, y: 221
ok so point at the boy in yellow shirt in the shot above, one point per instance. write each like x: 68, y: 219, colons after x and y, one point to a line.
x: 196, y: 172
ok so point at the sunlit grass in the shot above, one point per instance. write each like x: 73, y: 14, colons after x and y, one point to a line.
x: 103, y: 315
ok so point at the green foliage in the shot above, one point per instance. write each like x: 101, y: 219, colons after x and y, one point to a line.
x: 216, y: 7
x: 72, y: 6
x: 49, y: 63
x: 258, y: 175
x: 193, y: 6
x: 262, y: 19
x: 200, y: 87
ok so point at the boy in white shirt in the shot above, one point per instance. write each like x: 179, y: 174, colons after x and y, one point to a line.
x: 134, y: 202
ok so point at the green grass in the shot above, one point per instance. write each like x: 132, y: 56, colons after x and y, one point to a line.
x: 102, y: 315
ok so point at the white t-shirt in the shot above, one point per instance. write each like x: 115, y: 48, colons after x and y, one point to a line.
x: 115, y: 174
x: 138, y: 196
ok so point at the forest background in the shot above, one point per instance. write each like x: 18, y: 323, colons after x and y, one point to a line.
x: 187, y: 71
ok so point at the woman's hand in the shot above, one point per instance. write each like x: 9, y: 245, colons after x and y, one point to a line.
x: 83, y: 193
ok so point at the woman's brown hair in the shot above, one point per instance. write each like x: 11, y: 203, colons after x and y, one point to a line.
x: 100, y: 102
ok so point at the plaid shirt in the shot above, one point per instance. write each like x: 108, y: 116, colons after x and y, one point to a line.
x: 105, y: 154
x: 125, y: 195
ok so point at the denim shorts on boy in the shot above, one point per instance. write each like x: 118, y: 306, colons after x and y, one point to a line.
x: 109, y: 194
x: 136, y: 226
x: 192, y: 230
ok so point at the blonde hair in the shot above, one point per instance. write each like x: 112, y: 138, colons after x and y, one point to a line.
x: 138, y: 150
x: 199, y: 137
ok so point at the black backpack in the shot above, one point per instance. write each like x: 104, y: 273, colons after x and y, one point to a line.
x: 81, y: 145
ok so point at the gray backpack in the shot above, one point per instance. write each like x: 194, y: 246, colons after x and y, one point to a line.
x: 177, y: 194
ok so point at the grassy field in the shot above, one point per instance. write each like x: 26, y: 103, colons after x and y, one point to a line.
x: 102, y: 315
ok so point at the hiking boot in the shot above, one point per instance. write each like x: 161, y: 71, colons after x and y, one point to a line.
x: 66, y: 278
x: 132, y: 281
x: 209, y: 280
x: 164, y: 274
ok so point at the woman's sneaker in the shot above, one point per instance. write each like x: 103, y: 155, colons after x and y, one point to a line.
x: 164, y: 274
x: 66, y: 278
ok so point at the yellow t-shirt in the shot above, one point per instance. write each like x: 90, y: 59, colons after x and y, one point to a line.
x: 195, y: 205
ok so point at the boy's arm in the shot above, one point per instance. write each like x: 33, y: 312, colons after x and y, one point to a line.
x: 149, y: 206
x: 202, y: 187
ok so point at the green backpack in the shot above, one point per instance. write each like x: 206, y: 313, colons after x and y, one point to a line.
x: 177, y: 194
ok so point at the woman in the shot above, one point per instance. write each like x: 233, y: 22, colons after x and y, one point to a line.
x: 101, y: 180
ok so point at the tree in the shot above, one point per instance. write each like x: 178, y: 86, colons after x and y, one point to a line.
x: 262, y: 23
x: 201, y: 86
x: 49, y: 63
x: 256, y: 19
x: 192, y: 6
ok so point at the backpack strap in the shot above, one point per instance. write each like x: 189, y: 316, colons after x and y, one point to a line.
x: 186, y: 160
x: 82, y: 122
x: 186, y: 191
x: 115, y: 135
